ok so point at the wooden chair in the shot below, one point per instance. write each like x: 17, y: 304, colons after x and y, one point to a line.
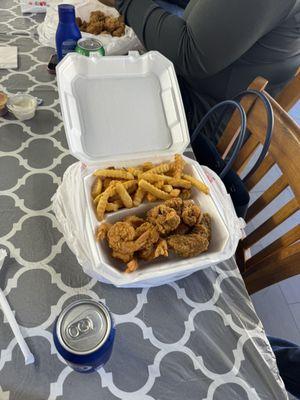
x: 289, y: 96
x: 280, y: 259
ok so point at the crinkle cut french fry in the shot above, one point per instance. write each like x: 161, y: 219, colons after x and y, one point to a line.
x: 148, y: 187
x: 138, y: 196
x: 167, y: 188
x: 119, y: 202
x: 114, y: 173
x: 135, y: 171
x: 182, y: 183
x: 96, y: 187
x: 178, y: 166
x: 103, y: 202
x: 147, y: 165
x: 130, y: 186
x: 160, y: 169
x: 150, y: 197
x: 150, y: 177
x: 112, y: 191
x: 124, y: 195
x: 198, y: 184
x: 111, y: 207
x: 159, y: 184
x: 106, y: 183
x: 175, y: 193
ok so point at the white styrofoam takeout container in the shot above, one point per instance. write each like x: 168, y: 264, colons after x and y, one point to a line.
x: 122, y: 111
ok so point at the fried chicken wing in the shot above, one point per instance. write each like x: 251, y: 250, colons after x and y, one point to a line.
x: 164, y: 218
x: 83, y: 26
x: 203, y: 227
x: 119, y: 31
x: 191, y: 213
x: 111, y: 24
x: 188, y: 245
x: 95, y: 28
x: 182, y: 229
x: 97, y: 16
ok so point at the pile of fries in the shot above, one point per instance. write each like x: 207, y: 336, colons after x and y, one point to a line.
x: 114, y: 189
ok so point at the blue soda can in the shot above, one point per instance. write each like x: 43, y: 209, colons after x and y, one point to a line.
x: 84, y: 334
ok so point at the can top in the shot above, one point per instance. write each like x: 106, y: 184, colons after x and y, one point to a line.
x: 83, y: 326
x: 89, y: 44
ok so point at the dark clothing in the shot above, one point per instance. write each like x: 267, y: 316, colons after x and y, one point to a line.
x: 219, y: 47
x: 288, y: 361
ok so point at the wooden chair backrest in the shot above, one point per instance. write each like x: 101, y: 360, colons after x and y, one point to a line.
x: 281, y: 259
x: 289, y: 96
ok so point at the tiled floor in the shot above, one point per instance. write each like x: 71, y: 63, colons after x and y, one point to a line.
x: 278, y: 306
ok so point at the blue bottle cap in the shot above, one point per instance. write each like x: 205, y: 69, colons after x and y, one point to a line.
x: 66, y: 12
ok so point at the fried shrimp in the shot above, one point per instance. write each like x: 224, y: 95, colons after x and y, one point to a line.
x: 102, y: 230
x: 164, y: 218
x: 119, y: 233
x: 191, y: 213
x: 176, y: 204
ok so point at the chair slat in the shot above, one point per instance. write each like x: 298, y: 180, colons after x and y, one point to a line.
x: 270, y: 194
x: 273, y: 269
x: 286, y: 211
x: 289, y: 96
x: 280, y: 259
x: 285, y: 144
x: 286, y: 240
x: 245, y: 154
x: 261, y: 171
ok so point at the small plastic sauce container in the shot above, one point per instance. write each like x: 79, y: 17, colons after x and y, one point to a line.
x: 3, y: 101
x: 23, y: 106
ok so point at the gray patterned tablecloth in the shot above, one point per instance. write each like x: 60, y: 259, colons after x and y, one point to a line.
x: 198, y: 338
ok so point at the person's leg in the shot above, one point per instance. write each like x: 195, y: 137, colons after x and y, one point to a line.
x: 288, y: 361
x: 171, y: 8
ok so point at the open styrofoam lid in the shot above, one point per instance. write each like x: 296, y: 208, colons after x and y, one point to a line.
x: 121, y: 108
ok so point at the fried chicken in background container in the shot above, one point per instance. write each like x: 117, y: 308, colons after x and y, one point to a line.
x: 127, y: 228
x: 122, y: 41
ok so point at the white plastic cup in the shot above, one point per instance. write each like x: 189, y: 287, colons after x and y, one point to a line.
x: 22, y: 106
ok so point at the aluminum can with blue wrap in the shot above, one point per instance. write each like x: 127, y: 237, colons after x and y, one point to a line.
x: 84, y: 334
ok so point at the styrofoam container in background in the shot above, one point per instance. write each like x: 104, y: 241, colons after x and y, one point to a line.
x: 122, y: 111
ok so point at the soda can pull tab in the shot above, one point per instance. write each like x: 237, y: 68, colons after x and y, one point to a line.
x: 80, y: 328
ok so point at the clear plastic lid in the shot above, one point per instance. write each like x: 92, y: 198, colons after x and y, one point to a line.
x: 123, y: 108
